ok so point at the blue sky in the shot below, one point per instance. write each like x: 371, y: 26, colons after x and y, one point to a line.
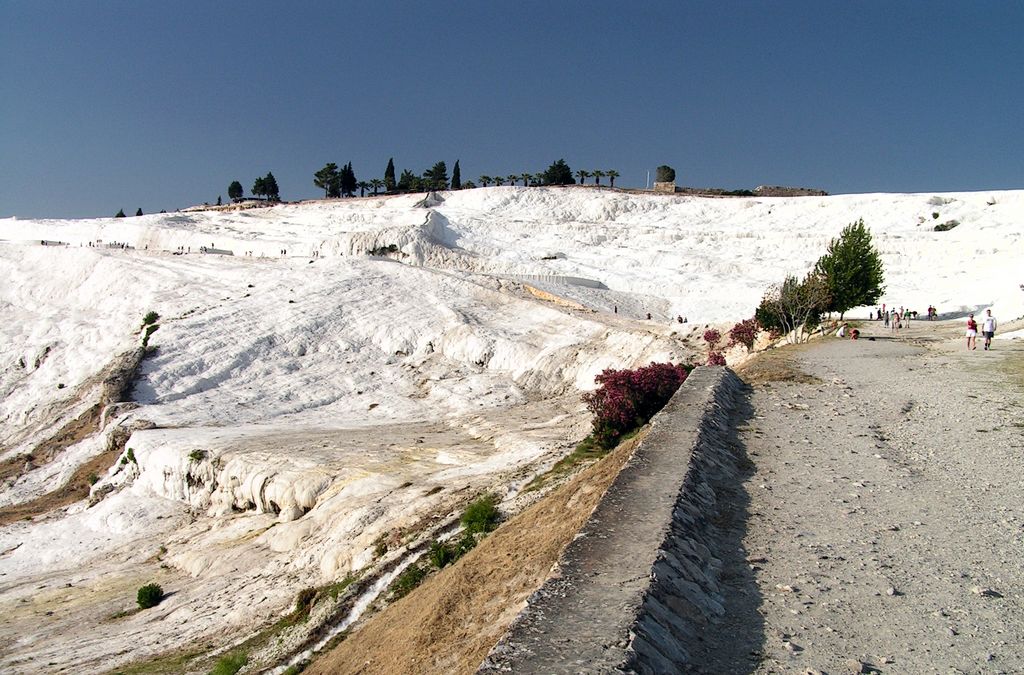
x: 125, y: 104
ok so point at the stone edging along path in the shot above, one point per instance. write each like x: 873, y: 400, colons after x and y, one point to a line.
x: 641, y: 578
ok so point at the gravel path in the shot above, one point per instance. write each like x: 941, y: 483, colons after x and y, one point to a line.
x: 879, y: 528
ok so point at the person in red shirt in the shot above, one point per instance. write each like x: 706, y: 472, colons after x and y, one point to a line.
x: 972, y: 332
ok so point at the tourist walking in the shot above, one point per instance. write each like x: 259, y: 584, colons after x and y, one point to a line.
x: 972, y: 332
x: 988, y: 328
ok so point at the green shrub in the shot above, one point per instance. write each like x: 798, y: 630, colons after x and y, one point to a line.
x: 482, y: 515
x: 935, y: 215
x: 412, y: 577
x: 946, y: 226
x: 442, y: 554
x: 149, y: 595
x: 197, y: 455
x: 93, y: 479
x: 150, y: 329
x: 129, y: 457
x: 150, y: 318
x: 229, y: 664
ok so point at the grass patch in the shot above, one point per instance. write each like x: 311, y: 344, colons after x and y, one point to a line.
x: 586, y: 450
x: 229, y: 664
x: 172, y: 663
x: 412, y: 577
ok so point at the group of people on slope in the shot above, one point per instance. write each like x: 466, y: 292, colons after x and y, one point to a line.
x: 988, y: 329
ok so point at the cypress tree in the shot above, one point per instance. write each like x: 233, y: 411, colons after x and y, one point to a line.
x: 119, y: 214
x: 139, y: 212
x: 456, y: 177
x: 389, y: 176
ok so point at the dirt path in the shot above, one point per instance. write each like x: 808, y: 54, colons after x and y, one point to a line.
x: 883, y: 521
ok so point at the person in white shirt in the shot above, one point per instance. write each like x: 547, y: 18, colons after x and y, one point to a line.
x: 988, y: 328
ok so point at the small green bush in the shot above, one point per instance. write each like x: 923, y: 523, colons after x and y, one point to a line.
x: 93, y: 479
x: 229, y: 664
x: 442, y: 554
x: 150, y: 318
x: 149, y: 595
x: 482, y: 515
x: 197, y: 455
x: 946, y: 226
x: 935, y: 215
x: 150, y: 329
x: 412, y: 577
x: 129, y: 457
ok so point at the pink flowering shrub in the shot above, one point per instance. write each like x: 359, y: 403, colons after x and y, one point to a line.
x: 715, y: 358
x: 744, y: 333
x: 627, y: 399
x: 712, y: 336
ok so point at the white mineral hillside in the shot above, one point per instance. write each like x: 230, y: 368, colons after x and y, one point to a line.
x: 307, y: 398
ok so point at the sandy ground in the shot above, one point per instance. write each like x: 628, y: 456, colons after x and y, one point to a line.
x: 449, y: 624
x: 879, y: 527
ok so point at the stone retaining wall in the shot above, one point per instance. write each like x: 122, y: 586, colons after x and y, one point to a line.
x: 639, y: 582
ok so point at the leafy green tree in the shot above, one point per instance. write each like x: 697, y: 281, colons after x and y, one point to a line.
x: 259, y: 187
x: 852, y: 268
x: 139, y: 212
x: 389, y: 176
x: 376, y: 184
x: 235, y: 191
x: 598, y: 174
x: 794, y: 307
x: 558, y: 173
x: 583, y: 175
x: 327, y: 179
x: 119, y: 214
x: 665, y: 174
x: 436, y: 177
x: 456, y: 176
x: 407, y: 181
x: 612, y: 175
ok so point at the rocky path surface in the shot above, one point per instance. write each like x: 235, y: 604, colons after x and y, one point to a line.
x: 880, y: 525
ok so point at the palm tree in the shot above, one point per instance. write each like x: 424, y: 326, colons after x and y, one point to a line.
x: 512, y: 178
x: 583, y: 175
x: 612, y: 175
x: 468, y: 185
x: 499, y: 181
x: 363, y: 187
x: 486, y: 180
x: 538, y: 179
x: 376, y: 184
x: 597, y: 174
x: 526, y: 178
